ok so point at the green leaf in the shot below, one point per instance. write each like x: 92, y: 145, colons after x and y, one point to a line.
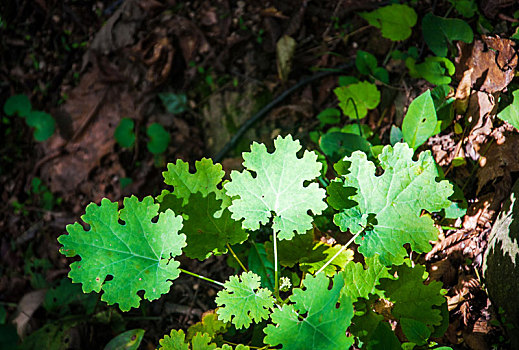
x: 174, y: 341
x: 364, y: 130
x: 415, y: 331
x: 362, y: 95
x: 360, y: 282
x: 55, y: 335
x: 159, y: 138
x: 466, y: 8
x: 124, y: 134
x: 420, y: 120
x: 365, y: 62
x: 345, y: 80
x: 439, y: 32
x: 209, y: 324
x: 414, y: 302
x: 313, y: 262
x: 370, y: 328
x: 243, y: 301
x: 261, y: 265
x: 277, y: 188
x: 381, y: 73
x: 58, y: 298
x: 136, y: 254
x: 338, y: 195
x: 396, y: 200
x: 18, y: 104
x: 127, y: 340
x: 395, y: 135
x: 202, y: 341
x: 318, y: 319
x: 300, y: 248
x: 174, y: 103
x: 511, y: 113
x: 395, y: 21
x: 204, y: 180
x: 205, y: 233
x: 433, y: 69
x: 337, y: 145
x: 43, y: 124
x: 329, y: 116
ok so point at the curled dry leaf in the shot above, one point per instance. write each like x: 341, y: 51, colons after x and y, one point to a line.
x: 500, y: 160
x: 120, y: 28
x: 493, y: 60
x: 481, y: 110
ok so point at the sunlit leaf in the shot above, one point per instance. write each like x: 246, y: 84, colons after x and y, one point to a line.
x: 137, y: 254
x: 278, y: 188
x: 395, y: 21
x: 390, y: 205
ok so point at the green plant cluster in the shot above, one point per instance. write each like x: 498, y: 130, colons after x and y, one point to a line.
x: 203, y: 216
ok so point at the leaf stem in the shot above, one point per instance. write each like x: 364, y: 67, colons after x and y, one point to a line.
x: 202, y: 277
x: 356, y: 114
x: 338, y: 253
x: 323, y: 181
x: 236, y: 257
x: 276, y: 280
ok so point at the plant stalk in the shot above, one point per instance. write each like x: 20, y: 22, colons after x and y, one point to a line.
x: 338, y: 253
x: 236, y: 257
x: 202, y: 277
x: 276, y: 280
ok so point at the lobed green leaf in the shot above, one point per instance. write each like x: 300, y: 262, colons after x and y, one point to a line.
x: 318, y: 319
x: 390, y: 206
x: 137, y: 254
x: 278, y: 188
x: 243, y: 301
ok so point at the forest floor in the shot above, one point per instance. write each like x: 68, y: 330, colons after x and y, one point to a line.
x: 91, y: 64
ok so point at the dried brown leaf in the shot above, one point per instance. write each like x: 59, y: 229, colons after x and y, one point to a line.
x: 463, y: 92
x: 493, y: 61
x: 500, y: 160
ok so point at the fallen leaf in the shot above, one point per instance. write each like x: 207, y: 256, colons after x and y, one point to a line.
x: 27, y: 306
x: 499, y: 160
x: 481, y: 110
x: 493, y: 60
x: 285, y: 48
x: 92, y: 112
x: 119, y: 30
x: 463, y: 92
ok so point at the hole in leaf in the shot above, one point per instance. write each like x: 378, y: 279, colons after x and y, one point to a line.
x: 109, y: 278
x: 155, y: 219
x: 121, y: 222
